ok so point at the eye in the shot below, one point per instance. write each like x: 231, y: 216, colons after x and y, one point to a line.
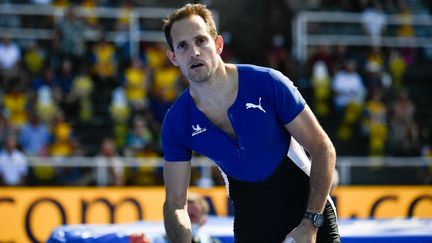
x: 201, y: 41
x: 181, y: 46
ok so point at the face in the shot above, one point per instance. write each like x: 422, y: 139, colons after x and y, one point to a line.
x: 195, y: 213
x: 196, y: 53
x: 10, y: 144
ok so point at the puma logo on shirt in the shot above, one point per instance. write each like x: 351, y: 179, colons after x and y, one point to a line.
x: 251, y: 105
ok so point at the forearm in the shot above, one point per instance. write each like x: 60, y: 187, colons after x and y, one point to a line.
x: 177, y: 223
x: 323, y: 164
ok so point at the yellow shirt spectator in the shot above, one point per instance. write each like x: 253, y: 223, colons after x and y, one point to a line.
x: 136, y: 82
x: 15, y: 104
x: 156, y: 56
x: 62, y: 145
x: 165, y: 83
x: 105, y: 63
x: 89, y: 5
x: 34, y: 60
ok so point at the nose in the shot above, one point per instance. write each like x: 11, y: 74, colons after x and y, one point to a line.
x: 194, y: 51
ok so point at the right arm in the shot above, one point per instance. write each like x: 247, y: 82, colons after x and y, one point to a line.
x: 176, y: 219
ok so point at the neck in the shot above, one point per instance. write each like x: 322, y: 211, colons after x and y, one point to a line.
x: 222, y: 83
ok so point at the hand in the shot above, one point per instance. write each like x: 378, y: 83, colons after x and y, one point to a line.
x: 304, y: 233
x: 138, y: 238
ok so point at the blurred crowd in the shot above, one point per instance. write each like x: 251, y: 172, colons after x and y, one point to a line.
x: 71, y: 97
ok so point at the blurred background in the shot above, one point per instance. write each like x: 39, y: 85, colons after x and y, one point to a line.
x: 85, y: 84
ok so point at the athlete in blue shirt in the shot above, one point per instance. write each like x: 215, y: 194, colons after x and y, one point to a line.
x: 253, y: 123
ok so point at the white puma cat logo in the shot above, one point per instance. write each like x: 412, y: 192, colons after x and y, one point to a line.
x: 251, y: 105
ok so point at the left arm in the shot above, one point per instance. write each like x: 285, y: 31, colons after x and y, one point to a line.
x: 309, y: 133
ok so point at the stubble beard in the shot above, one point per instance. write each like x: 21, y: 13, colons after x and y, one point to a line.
x: 201, y: 76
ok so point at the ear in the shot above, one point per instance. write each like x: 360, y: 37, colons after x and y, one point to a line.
x: 172, y: 57
x: 219, y: 42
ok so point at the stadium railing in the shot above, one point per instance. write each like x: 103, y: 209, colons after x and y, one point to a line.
x: 345, y: 28
x: 351, y: 170
x: 137, y: 17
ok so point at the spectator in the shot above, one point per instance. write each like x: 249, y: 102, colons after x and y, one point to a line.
x: 10, y: 53
x: 46, y: 79
x: 10, y: 56
x: 322, y: 54
x: 82, y: 89
x: 15, y: 103
x: 374, y: 20
x: 64, y: 79
x: 137, y: 85
x: 62, y: 137
x: 376, y: 78
x: 109, y: 170
x: 138, y: 138
x: 71, y: 36
x: 348, y: 86
x: 156, y: 55
x: 165, y: 89
x: 406, y: 29
x: 397, y: 67
x: 89, y: 6
x: 120, y: 112
x: 404, y: 132
x: 349, y: 97
x: 375, y: 59
x: 13, y: 164
x: 198, y: 209
x: 375, y: 124
x: 34, y: 137
x: 321, y: 85
x: 64, y: 83
x: 125, y: 8
x: 34, y: 59
x: 340, y: 54
x: 105, y: 64
x: 46, y: 106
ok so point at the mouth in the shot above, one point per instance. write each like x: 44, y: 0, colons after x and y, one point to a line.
x: 196, y: 65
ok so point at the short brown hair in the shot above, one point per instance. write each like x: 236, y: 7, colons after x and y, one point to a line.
x: 185, y: 12
x: 200, y: 200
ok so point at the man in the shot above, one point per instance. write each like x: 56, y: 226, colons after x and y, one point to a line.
x: 247, y: 119
x: 34, y: 136
x: 198, y: 209
x: 13, y: 164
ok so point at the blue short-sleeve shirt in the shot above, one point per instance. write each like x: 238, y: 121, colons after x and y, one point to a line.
x: 266, y: 101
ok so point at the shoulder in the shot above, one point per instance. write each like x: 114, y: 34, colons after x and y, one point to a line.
x: 177, y: 115
x: 179, y: 108
x: 19, y: 156
x: 259, y: 72
x: 259, y: 76
x: 249, y: 69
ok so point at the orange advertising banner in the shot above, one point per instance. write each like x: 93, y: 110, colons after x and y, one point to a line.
x: 30, y: 214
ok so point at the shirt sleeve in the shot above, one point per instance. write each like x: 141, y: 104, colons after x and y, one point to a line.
x: 288, y: 100
x: 173, y: 146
